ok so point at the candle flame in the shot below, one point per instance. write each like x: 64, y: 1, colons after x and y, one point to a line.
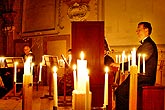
x: 55, y: 69
x: 144, y: 55
x: 74, y: 67
x: 106, y: 69
x: 32, y: 64
x: 82, y: 55
x: 16, y: 63
x: 139, y: 54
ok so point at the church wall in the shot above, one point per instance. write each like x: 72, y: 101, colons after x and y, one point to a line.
x: 120, y: 17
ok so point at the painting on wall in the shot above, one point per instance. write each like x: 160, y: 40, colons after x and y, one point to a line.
x: 38, y: 17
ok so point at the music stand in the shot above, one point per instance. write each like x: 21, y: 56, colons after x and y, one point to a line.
x: 50, y: 61
x: 10, y: 64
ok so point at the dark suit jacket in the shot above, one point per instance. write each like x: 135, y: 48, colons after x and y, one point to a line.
x: 149, y: 48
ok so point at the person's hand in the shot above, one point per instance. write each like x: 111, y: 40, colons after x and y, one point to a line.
x: 114, y: 66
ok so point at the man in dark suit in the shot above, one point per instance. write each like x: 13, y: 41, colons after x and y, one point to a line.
x: 149, y: 48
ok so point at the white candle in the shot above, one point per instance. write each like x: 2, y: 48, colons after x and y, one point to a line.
x: 117, y: 58
x: 15, y: 71
x: 139, y: 55
x: 81, y: 70
x: 129, y: 63
x: 87, y: 106
x: 27, y: 66
x: 123, y: 56
x: 106, y: 87
x: 134, y: 56
x: 74, y: 77
x: 32, y: 65
x: 55, y: 87
x: 144, y: 63
x: 70, y: 59
x: 40, y: 72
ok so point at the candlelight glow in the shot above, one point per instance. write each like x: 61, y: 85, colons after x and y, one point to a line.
x: 16, y: 63
x: 32, y: 64
x: 82, y: 55
x: 55, y: 69
x: 74, y: 67
x: 106, y: 69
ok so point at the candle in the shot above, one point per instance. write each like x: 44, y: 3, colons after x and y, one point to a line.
x: 81, y: 70
x: 139, y: 55
x: 32, y: 65
x: 134, y: 56
x: 74, y: 77
x: 144, y: 63
x: 15, y: 71
x: 69, y: 59
x: 106, y: 87
x: 40, y: 72
x: 129, y: 63
x: 123, y: 56
x: 87, y: 106
x: 55, y: 87
x: 117, y: 58
x: 27, y: 66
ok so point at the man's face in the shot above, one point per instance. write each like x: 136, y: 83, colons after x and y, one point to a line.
x: 141, y: 32
x: 26, y: 50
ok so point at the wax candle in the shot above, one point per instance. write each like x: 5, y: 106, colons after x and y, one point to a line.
x: 32, y: 65
x: 134, y: 56
x: 40, y: 72
x: 129, y: 63
x: 27, y: 66
x: 81, y: 70
x: 106, y: 87
x: 15, y: 71
x: 139, y: 55
x: 144, y: 63
x: 87, y: 92
x: 123, y: 57
x: 117, y: 58
x: 55, y: 87
x: 74, y: 77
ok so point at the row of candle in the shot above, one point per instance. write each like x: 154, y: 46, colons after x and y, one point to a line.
x: 133, y: 56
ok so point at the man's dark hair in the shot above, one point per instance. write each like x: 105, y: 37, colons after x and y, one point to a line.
x: 147, y: 25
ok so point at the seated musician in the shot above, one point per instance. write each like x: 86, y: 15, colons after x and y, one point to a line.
x: 28, y: 53
x: 149, y: 48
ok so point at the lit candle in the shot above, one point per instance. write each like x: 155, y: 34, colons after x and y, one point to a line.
x: 144, y: 63
x: 32, y: 65
x: 40, y: 72
x: 70, y: 59
x: 106, y: 87
x: 27, y: 66
x: 134, y: 56
x: 74, y: 77
x: 55, y: 87
x: 139, y: 55
x: 81, y: 70
x: 117, y: 58
x: 87, y: 106
x: 15, y: 71
x: 129, y: 63
x: 123, y: 56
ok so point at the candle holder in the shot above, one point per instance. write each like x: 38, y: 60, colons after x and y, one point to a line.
x: 54, y: 108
